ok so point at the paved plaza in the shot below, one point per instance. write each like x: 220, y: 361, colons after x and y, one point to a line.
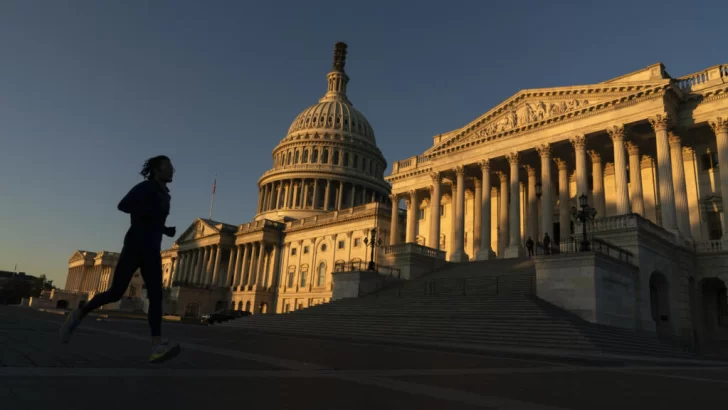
x: 104, y: 367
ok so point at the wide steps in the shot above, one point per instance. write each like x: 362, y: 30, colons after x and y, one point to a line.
x: 487, y: 304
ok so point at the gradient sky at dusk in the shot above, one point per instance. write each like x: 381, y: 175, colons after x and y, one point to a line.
x: 89, y: 89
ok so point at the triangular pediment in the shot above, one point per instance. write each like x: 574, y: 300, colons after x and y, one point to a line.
x: 199, y: 229
x: 538, y: 107
x: 81, y: 255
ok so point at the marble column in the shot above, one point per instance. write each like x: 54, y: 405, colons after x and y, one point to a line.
x: 240, y: 264
x: 314, y: 201
x: 503, y: 213
x: 484, y: 251
x: 453, y: 218
x: 205, y: 253
x: 477, y: 214
x: 394, y: 222
x: 598, y: 189
x: 340, y: 196
x: 216, y: 280
x: 279, y: 194
x: 635, y: 176
x: 260, y: 199
x: 304, y: 200
x: 532, y: 205
x: 273, y: 266
x: 295, y: 194
x: 230, y: 275
x: 287, y: 195
x: 259, y: 267
x: 664, y: 169
x: 326, y: 195
x: 720, y: 128
x: 248, y: 269
x: 547, y: 201
x: 682, y: 213
x: 180, y: 276
x: 211, y: 265
x: 412, y: 208
x: 435, y: 198
x: 579, y: 144
x: 616, y: 132
x: 564, y: 211
x: 353, y: 195
x: 515, y: 249
x: 459, y: 254
x: 235, y: 271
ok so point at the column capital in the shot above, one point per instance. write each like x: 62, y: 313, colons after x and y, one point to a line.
x: 460, y: 170
x: 595, y: 156
x: 484, y: 165
x: 673, y: 139
x: 412, y: 193
x: 531, y: 171
x: 719, y: 125
x: 659, y: 122
x: 512, y: 158
x: 560, y: 163
x: 436, y: 177
x: 394, y: 197
x: 632, y: 148
x: 477, y: 183
x: 502, y: 176
x: 544, y: 150
x: 578, y: 141
x: 616, y: 132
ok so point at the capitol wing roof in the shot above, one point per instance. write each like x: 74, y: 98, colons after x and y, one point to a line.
x: 204, y: 227
x: 536, y: 107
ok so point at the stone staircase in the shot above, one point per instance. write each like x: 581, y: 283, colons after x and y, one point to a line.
x: 486, y: 304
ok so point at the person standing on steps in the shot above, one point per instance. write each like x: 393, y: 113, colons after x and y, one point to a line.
x: 148, y: 205
x: 529, y: 246
x: 546, y: 243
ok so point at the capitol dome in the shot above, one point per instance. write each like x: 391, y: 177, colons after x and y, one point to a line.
x: 329, y: 159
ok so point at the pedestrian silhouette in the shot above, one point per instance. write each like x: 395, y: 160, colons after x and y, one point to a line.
x: 148, y: 205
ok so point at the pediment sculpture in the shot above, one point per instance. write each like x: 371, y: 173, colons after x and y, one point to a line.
x: 527, y: 113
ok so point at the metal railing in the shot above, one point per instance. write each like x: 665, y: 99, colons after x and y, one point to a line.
x: 573, y: 245
x: 358, y: 266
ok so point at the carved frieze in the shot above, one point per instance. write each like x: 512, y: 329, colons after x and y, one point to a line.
x: 528, y: 113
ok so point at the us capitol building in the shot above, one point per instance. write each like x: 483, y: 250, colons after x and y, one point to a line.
x: 642, y: 151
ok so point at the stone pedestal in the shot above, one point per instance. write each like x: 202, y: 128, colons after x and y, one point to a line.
x: 356, y: 283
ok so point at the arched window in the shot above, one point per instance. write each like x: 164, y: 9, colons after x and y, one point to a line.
x: 314, y: 156
x: 247, y: 306
x: 288, y: 158
x: 321, y: 278
x: 346, y: 159
x: 295, y: 157
x: 356, y: 162
x: 305, y: 157
x: 240, y: 305
x: 335, y: 159
x: 325, y: 156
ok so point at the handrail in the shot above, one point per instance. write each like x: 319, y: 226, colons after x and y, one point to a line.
x: 596, y: 245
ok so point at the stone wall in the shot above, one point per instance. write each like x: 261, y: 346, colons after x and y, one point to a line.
x: 596, y: 287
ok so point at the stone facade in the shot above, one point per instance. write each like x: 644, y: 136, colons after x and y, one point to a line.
x: 644, y: 146
x: 90, y: 273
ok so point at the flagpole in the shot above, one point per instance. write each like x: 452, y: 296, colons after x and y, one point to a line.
x: 212, y: 204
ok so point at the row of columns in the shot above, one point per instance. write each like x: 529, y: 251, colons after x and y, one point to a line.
x: 674, y: 212
x: 306, y: 194
x: 329, y: 156
x: 248, y: 264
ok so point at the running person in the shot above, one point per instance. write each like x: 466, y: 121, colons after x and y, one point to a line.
x: 148, y: 205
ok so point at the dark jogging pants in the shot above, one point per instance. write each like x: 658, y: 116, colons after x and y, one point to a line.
x: 149, y: 261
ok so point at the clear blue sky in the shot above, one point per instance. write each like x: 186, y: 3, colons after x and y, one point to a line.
x: 89, y: 89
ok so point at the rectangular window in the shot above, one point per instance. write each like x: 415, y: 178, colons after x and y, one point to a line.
x: 421, y: 214
x: 442, y: 210
x: 293, y: 251
x: 357, y: 242
x: 341, y: 244
x: 305, y: 250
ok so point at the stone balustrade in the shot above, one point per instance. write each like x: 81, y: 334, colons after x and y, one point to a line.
x: 631, y: 221
x: 714, y: 246
x: 344, y: 214
x: 414, y: 248
x: 409, y: 163
x: 702, y: 78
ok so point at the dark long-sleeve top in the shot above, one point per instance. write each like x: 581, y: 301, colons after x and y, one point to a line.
x: 148, y: 206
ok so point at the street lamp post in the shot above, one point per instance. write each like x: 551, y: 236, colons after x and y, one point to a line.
x: 374, y: 242
x: 587, y: 213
